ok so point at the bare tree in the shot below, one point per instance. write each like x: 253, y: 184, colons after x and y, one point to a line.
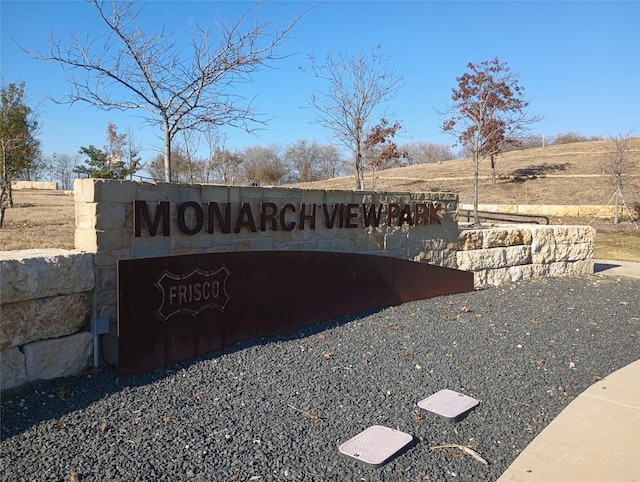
x: 312, y: 161
x: 121, y: 150
x: 572, y: 137
x: 225, y: 166
x: 185, y: 168
x: 302, y: 157
x: 263, y: 165
x: 61, y: 168
x: 618, y: 165
x: 529, y: 141
x: 114, y: 149
x: 357, y: 87
x: 131, y: 153
x: 195, y: 167
x: 488, y: 112
x: 221, y: 164
x: 424, y: 152
x: 331, y: 162
x: 128, y: 68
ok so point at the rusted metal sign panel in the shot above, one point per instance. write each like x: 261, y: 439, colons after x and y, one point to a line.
x: 174, y: 308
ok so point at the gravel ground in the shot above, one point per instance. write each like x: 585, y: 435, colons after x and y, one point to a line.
x: 276, y: 409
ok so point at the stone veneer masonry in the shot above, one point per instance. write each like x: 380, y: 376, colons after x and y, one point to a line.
x: 503, y: 255
x: 583, y: 211
x: 104, y: 226
x: 45, y: 185
x: 45, y: 298
x: 49, y: 296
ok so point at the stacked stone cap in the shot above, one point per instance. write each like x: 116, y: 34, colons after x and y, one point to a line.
x: 25, y: 276
x: 44, y: 298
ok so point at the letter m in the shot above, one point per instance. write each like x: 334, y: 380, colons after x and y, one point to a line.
x: 141, y: 214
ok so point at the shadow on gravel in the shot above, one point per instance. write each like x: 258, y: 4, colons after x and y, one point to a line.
x: 49, y: 401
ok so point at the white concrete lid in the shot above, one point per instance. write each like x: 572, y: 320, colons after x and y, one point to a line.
x: 376, y: 445
x: 448, y: 404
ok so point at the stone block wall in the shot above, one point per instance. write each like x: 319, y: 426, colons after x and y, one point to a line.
x: 47, y: 297
x: 575, y: 211
x: 509, y: 254
x: 45, y: 304
x: 46, y: 185
x: 105, y: 227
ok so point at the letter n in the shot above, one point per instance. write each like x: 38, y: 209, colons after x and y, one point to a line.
x: 141, y: 213
x: 223, y: 221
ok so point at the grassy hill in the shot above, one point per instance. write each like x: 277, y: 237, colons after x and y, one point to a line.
x: 567, y: 174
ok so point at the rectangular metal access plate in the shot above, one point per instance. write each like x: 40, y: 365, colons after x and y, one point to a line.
x: 376, y: 445
x: 450, y: 405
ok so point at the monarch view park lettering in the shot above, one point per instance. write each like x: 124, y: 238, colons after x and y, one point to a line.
x: 193, y: 218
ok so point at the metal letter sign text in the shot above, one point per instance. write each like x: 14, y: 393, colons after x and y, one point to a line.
x: 193, y: 292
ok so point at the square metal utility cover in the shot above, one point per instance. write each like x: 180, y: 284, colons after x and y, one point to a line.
x: 450, y: 405
x: 376, y: 445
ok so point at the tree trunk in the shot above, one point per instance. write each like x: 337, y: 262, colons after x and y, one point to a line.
x: 6, y: 186
x: 167, y: 151
x: 476, y: 171
x: 3, y: 190
x: 359, y: 169
x: 3, y: 200
x: 493, y: 170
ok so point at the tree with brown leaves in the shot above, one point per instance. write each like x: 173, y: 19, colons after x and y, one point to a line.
x: 488, y: 112
x: 380, y: 149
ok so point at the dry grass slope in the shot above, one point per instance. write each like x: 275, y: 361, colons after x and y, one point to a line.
x: 39, y: 219
x: 566, y: 174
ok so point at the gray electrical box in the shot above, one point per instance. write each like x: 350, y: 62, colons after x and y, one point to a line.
x: 100, y: 326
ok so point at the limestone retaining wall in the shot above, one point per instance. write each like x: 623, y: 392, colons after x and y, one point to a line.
x: 508, y: 254
x: 45, y: 304
x: 47, y: 297
x: 576, y: 211
x: 34, y: 185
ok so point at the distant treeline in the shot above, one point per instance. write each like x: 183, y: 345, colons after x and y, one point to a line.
x: 273, y: 164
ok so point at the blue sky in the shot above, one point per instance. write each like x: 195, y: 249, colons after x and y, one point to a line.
x: 579, y: 62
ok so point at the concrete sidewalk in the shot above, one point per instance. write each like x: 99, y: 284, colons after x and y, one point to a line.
x: 596, y: 438
x: 616, y: 268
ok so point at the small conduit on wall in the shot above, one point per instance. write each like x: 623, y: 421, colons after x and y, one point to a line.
x: 99, y: 326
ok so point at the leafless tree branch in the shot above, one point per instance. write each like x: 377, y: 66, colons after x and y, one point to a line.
x: 128, y: 68
x: 357, y: 86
